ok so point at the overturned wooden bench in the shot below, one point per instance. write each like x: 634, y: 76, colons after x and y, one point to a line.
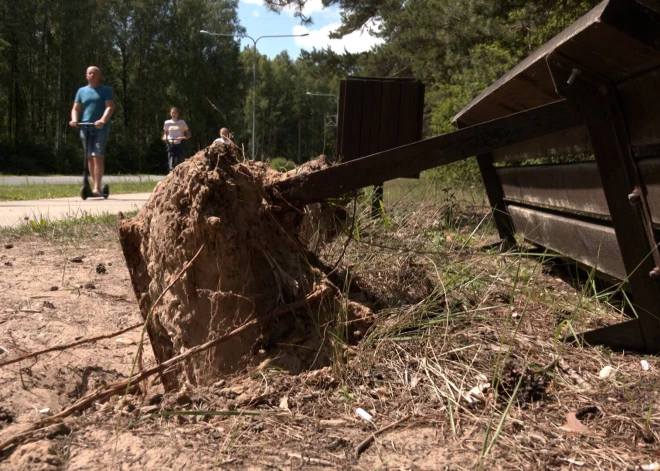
x: 594, y: 88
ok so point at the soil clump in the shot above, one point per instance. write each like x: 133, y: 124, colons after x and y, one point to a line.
x: 254, y: 259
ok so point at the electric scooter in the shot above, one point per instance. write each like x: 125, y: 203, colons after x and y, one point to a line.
x: 86, y: 191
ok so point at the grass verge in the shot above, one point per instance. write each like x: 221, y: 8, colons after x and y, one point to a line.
x: 48, y: 190
x: 78, y: 229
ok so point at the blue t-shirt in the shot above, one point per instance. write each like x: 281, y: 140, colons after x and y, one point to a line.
x: 93, y: 102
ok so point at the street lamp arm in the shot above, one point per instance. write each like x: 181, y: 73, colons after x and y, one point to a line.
x: 281, y: 36
x: 228, y: 35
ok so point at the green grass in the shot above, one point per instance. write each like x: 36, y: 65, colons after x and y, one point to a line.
x: 49, y: 190
x: 71, y: 230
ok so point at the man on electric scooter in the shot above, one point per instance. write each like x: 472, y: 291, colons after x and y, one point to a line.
x: 96, y: 102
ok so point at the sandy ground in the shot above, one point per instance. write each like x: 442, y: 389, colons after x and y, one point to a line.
x: 46, y: 299
x: 53, y: 293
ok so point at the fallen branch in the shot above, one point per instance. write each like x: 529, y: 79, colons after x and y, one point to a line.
x: 70, y: 345
x: 119, y: 387
x: 367, y: 441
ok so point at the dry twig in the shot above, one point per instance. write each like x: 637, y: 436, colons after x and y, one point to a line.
x: 367, y: 441
x: 119, y: 387
x: 70, y: 345
x: 309, y: 460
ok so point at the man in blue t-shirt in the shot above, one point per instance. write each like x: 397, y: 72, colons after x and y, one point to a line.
x: 96, y: 102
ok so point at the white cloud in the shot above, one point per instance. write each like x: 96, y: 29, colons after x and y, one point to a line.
x: 312, y: 7
x: 358, y: 41
x: 256, y: 13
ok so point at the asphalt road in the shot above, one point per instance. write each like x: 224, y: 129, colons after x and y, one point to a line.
x: 16, y: 213
x: 29, y: 180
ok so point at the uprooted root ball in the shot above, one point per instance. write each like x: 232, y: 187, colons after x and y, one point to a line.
x: 254, y: 260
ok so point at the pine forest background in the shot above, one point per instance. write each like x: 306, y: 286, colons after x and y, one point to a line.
x: 153, y: 56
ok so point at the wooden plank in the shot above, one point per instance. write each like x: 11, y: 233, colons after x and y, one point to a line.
x: 641, y: 103
x: 620, y: 177
x: 564, y: 187
x: 340, y: 119
x: 372, y: 130
x: 369, y: 102
x: 352, y: 120
x: 375, y: 112
x: 592, y: 245
x: 421, y: 91
x: 389, y: 122
x: 409, y: 113
x: 566, y: 141
x: 422, y: 155
x: 574, y: 187
x: 414, y: 116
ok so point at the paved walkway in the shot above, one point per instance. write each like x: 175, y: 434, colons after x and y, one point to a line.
x: 30, y: 180
x: 15, y: 213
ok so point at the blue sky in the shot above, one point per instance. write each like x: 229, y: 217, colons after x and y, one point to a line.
x: 258, y: 21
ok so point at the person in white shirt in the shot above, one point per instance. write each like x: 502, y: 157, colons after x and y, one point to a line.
x: 225, y: 136
x: 175, y: 131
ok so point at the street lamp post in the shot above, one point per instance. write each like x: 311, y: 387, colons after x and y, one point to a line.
x: 254, y: 72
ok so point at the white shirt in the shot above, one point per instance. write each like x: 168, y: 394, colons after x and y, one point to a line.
x: 175, y: 129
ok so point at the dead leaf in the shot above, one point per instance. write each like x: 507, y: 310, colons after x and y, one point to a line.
x: 284, y: 403
x: 125, y: 340
x: 573, y: 424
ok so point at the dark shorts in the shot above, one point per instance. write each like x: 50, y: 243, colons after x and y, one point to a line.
x: 97, y: 139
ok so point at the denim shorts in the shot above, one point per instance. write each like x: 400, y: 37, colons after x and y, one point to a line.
x: 98, y: 140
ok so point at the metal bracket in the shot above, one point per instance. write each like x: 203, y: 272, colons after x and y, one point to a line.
x: 635, y: 197
x: 574, y: 73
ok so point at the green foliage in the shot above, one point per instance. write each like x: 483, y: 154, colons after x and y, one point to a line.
x: 152, y: 54
x: 282, y: 164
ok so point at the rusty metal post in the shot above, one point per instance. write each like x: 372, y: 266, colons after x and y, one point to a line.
x: 598, y: 101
